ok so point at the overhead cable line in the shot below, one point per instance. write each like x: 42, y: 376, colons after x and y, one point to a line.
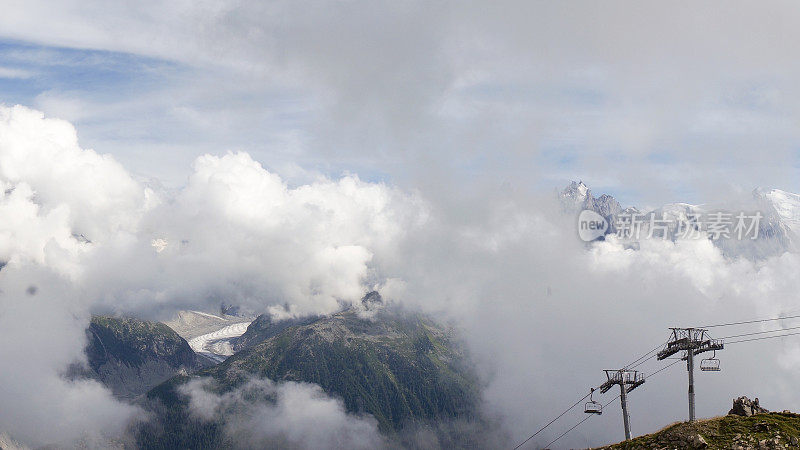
x: 745, y: 322
x: 552, y: 421
x: 630, y: 364
x: 764, y: 337
x: 638, y: 360
x: 643, y: 361
x: 651, y: 354
x: 609, y: 402
x: 761, y: 332
x: 579, y: 423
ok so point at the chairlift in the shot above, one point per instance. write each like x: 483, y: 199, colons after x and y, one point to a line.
x: 592, y: 407
x: 710, y: 364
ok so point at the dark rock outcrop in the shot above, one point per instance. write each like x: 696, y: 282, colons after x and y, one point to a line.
x: 372, y: 300
x: 745, y: 407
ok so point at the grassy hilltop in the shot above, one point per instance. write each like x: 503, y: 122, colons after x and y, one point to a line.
x: 761, y: 431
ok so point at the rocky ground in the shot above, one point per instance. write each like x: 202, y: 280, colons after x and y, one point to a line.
x: 747, y: 426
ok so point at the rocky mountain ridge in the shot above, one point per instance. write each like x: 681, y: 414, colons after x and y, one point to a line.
x: 401, y: 368
x: 396, y: 366
x: 130, y: 356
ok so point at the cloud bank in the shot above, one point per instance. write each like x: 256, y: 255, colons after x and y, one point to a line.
x: 262, y: 413
x: 542, y: 314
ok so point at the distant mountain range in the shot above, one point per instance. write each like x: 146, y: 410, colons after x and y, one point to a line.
x: 778, y: 228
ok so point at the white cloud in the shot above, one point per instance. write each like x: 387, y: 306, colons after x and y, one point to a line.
x: 237, y: 232
x: 101, y: 197
x: 262, y: 413
x: 10, y: 72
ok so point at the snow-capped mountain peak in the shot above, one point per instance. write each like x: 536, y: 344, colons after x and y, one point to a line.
x: 786, y: 204
x: 578, y: 196
x: 576, y: 192
x: 778, y: 227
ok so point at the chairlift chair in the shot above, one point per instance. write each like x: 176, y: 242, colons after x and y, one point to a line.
x: 592, y: 407
x: 710, y: 364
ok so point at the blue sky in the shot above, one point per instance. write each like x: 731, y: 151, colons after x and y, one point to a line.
x: 119, y: 102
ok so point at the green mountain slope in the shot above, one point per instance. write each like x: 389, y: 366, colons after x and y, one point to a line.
x: 398, y: 367
x: 264, y: 327
x: 130, y: 356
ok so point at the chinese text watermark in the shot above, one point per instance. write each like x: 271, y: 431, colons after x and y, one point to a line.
x: 635, y: 226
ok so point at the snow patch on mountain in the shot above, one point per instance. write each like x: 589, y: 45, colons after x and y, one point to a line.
x: 209, y: 334
x: 786, y: 205
x: 217, y: 344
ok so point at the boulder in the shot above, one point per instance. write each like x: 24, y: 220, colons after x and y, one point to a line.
x: 743, y: 406
x: 697, y: 441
